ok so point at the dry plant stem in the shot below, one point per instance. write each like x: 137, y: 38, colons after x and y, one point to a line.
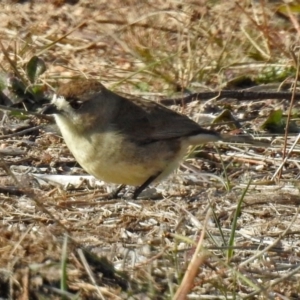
x: 275, y: 282
x: 6, y: 108
x: 89, y: 272
x: 193, y: 267
x: 290, y: 109
x: 135, y: 24
x: 12, y: 63
x: 233, y: 94
x: 258, y: 254
x: 264, y: 25
x: 193, y: 219
x: 46, y: 48
x: 25, y: 285
x: 22, y: 132
x: 261, y: 51
x: 20, y: 241
x: 268, y: 37
x: 153, y: 258
x: 286, y: 157
x: 85, y: 286
x: 293, y: 19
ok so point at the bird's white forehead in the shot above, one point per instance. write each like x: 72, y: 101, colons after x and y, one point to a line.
x: 59, y: 101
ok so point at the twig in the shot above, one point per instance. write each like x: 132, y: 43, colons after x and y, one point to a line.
x: 235, y: 94
x: 286, y: 130
x: 25, y: 112
x: 89, y: 272
x: 25, y: 131
x: 193, y: 267
x: 260, y: 253
x: 286, y: 157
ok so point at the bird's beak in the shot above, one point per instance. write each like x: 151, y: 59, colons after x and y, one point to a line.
x: 49, y: 109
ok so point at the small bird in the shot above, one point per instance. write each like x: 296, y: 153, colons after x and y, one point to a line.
x: 125, y: 141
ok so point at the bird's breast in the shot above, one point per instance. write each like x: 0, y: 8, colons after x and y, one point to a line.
x: 111, y: 157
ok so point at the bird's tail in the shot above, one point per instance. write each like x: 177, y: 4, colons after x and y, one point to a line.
x: 246, y: 139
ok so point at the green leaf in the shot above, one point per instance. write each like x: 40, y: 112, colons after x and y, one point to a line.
x: 143, y: 86
x: 226, y: 116
x: 274, y: 123
x: 231, y: 242
x: 35, y: 67
x: 19, y: 115
x: 294, y: 8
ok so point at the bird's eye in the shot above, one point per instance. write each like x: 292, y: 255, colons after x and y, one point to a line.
x: 76, y: 104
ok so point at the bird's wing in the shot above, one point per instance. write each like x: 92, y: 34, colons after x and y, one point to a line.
x: 153, y: 122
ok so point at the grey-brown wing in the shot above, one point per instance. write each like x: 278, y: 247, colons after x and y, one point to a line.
x: 148, y: 121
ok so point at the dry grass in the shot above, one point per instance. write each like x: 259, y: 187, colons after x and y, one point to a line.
x: 207, y: 239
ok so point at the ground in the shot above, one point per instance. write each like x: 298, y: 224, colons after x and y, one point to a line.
x: 225, y: 225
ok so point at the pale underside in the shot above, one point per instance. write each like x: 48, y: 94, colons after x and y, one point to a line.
x: 109, y: 158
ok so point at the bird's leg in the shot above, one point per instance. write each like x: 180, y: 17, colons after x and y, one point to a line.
x: 115, y: 193
x: 139, y: 189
